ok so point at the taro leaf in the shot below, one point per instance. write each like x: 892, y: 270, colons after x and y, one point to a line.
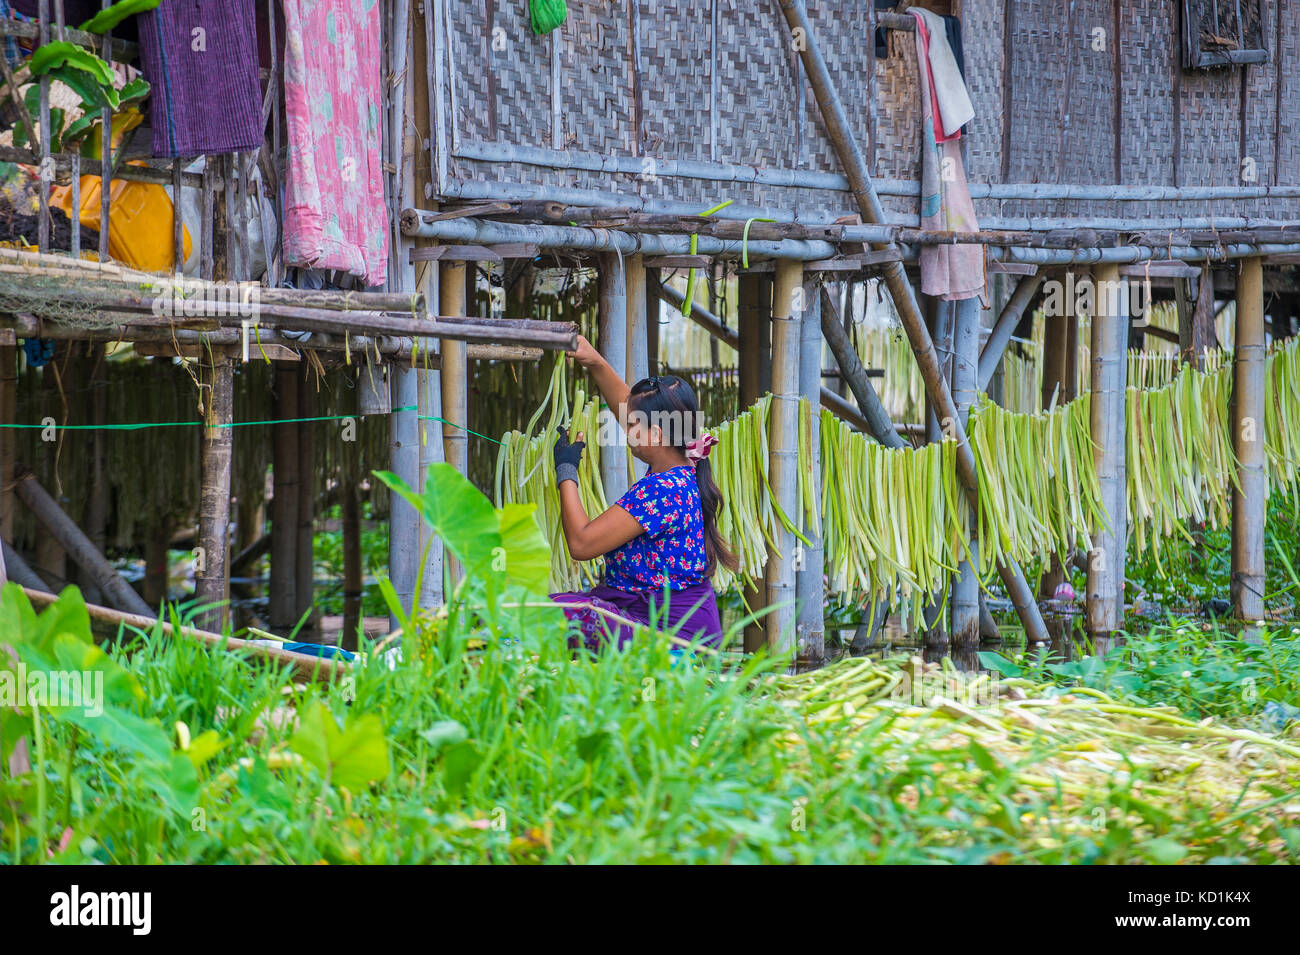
x: 105, y: 20
x: 132, y: 92
x: 350, y: 757
x: 458, y: 513
x: 94, y: 95
x: 459, y: 761
x: 52, y: 55
x: 79, y: 129
x: 444, y: 733
x: 525, y: 554
x: 998, y: 664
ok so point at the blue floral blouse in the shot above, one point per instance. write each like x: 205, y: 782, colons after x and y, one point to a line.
x: 671, y: 551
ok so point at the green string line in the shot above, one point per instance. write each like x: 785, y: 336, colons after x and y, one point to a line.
x: 141, y: 426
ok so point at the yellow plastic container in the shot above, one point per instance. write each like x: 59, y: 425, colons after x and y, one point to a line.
x: 140, y: 221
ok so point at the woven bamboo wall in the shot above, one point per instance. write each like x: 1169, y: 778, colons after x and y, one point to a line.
x: 716, y: 80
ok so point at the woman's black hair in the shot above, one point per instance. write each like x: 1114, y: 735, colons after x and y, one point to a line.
x: 670, y: 403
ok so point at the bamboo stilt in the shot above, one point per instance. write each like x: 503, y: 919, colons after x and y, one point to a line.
x: 965, y: 595
x: 809, y: 590
x: 1250, y: 497
x: 282, y: 589
x: 455, y: 386
x: 754, y: 294
x: 304, y: 564
x: 16, y: 569
x: 613, y: 346
x: 350, y: 512
x: 404, y: 461
x: 652, y: 284
x: 8, y: 437
x: 1105, y: 600
x: 212, y: 579
x: 788, y: 308
x: 637, y: 362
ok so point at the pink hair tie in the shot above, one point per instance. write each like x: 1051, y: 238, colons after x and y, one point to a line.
x: 698, y: 450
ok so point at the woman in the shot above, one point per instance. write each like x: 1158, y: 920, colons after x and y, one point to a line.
x: 660, y: 540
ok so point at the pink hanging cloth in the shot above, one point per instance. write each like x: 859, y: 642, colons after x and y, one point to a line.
x: 335, y: 216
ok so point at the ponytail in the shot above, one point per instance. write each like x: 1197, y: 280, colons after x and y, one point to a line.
x: 674, y: 400
x: 715, y: 548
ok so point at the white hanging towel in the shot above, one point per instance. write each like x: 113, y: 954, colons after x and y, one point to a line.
x: 955, y: 109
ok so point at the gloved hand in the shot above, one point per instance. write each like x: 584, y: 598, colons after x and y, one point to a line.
x: 567, y: 457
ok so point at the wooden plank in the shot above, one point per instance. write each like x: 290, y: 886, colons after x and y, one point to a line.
x: 1165, y: 270
x: 454, y: 253
x: 1011, y: 268
x: 678, y: 262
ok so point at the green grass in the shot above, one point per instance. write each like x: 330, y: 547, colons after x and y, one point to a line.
x: 492, y: 742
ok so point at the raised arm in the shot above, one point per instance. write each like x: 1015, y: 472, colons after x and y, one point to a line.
x: 612, y: 388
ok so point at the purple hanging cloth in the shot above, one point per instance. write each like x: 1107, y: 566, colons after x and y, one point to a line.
x: 200, y: 57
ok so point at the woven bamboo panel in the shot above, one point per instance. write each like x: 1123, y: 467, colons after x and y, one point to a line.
x: 898, y: 119
x: 1149, y: 63
x: 595, y: 77
x: 756, y: 90
x: 1261, y: 80
x: 1089, y: 137
x: 982, y: 32
x: 841, y: 29
x: 1288, y: 140
x: 1037, y: 46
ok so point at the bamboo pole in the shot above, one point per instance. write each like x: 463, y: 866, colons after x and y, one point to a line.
x: 77, y: 545
x: 613, y: 346
x: 455, y: 388
x: 1250, y: 495
x: 879, y: 424
x: 846, y: 147
x: 8, y: 437
x: 105, y: 618
x: 700, y: 315
x: 788, y: 307
x: 754, y: 295
x: 652, y: 284
x: 304, y: 563
x: 1105, y: 600
x: 809, y: 591
x: 1000, y: 335
x: 637, y: 361
x: 282, y: 590
x: 353, y: 582
x: 211, y: 579
x: 13, y: 567
x: 965, y: 595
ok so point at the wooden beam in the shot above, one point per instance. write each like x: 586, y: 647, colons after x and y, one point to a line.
x: 879, y: 424
x: 1250, y: 495
x: 995, y: 345
x: 964, y: 613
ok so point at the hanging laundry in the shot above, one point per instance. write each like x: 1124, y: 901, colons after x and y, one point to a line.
x: 334, y: 216
x: 200, y: 57
x: 951, y: 102
x: 947, y: 271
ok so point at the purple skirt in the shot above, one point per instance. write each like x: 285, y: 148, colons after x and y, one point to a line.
x: 695, y: 608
